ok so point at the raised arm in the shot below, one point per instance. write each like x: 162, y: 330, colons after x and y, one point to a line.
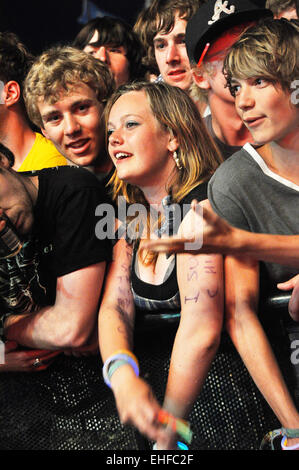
x: 70, y: 321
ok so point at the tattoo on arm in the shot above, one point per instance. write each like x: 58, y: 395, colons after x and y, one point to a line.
x: 193, y: 275
x: 209, y: 267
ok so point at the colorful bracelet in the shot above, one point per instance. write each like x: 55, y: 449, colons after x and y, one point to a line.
x: 115, y: 361
x: 180, y: 426
x: 284, y: 444
x: 180, y: 446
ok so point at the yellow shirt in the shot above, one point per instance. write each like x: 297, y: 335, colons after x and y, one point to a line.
x: 43, y: 154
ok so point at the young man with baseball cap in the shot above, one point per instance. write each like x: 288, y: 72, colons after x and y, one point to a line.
x: 209, y: 34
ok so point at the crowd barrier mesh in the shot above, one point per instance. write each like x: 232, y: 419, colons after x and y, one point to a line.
x: 68, y: 406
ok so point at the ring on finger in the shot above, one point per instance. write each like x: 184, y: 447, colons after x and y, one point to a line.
x: 37, y: 362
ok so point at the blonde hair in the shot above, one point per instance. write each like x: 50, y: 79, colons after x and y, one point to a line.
x: 198, y: 155
x: 176, y: 112
x: 60, y: 69
x: 269, y: 50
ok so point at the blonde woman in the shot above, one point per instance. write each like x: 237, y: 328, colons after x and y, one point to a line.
x: 162, y: 155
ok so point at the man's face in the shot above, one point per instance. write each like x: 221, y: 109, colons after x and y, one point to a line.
x: 266, y: 110
x: 217, y: 82
x: 15, y: 201
x: 113, y: 56
x: 74, y: 125
x: 171, y: 55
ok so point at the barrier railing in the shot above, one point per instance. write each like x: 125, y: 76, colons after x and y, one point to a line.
x: 68, y: 406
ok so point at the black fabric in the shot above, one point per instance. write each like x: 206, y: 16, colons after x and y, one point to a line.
x: 169, y: 288
x: 225, y: 149
x: 63, y: 240
x: 65, y: 223
x: 213, y: 18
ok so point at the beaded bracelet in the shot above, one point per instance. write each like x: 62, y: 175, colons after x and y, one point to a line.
x: 284, y: 444
x: 120, y: 358
x: 179, y: 426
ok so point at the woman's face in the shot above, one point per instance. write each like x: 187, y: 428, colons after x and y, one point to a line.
x: 140, y: 148
x: 113, y: 56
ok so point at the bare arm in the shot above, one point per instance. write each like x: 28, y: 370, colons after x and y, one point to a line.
x: 248, y: 336
x: 70, y: 321
x: 200, y: 280
x: 220, y: 237
x: 135, y: 401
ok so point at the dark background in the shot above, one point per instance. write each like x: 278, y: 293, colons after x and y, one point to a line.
x: 42, y: 23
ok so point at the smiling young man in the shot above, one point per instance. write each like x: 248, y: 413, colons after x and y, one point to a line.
x: 65, y: 94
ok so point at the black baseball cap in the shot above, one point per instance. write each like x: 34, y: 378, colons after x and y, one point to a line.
x: 215, y: 17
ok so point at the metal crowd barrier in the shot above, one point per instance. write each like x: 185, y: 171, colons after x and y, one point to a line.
x: 68, y: 406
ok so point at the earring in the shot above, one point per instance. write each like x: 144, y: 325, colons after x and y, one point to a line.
x: 177, y: 160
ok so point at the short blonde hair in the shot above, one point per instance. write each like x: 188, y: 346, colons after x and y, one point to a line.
x: 269, y: 50
x: 60, y: 69
x: 176, y: 112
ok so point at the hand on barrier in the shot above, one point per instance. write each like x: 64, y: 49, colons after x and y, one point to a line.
x: 292, y: 283
x: 31, y: 360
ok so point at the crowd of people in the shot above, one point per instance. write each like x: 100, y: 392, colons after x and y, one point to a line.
x: 193, y: 109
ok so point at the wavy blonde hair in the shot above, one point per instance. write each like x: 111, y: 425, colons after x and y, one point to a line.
x: 175, y: 112
x: 269, y: 50
x: 60, y: 69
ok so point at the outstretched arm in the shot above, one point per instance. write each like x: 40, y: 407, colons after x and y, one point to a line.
x: 215, y: 235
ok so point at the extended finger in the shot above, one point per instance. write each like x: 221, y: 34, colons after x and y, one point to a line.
x: 32, y: 353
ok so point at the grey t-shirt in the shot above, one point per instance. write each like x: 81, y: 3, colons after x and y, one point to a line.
x: 246, y: 193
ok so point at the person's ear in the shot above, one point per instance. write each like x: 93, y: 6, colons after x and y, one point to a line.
x: 11, y: 93
x: 173, y: 143
x: 4, y: 162
x: 201, y: 80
